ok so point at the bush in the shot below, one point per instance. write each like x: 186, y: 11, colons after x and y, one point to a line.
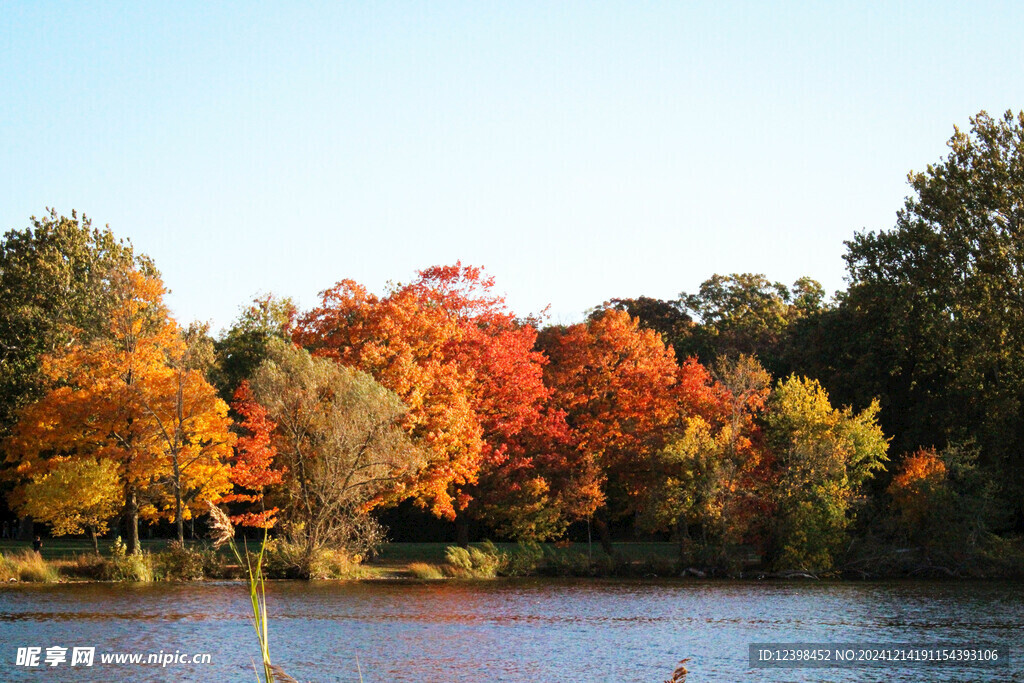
x: 7, y: 570
x: 85, y: 566
x: 566, y: 563
x: 179, y: 563
x: 479, y: 563
x: 426, y: 572
x: 328, y: 563
x: 124, y: 567
x: 284, y: 560
x: 525, y: 560
x: 217, y: 566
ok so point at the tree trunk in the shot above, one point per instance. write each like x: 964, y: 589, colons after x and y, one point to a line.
x: 683, y: 536
x: 604, y: 535
x: 179, y: 522
x: 131, y: 520
x: 95, y: 540
x: 462, y: 529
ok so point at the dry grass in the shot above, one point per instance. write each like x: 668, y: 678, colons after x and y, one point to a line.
x: 8, y: 572
x: 426, y: 571
x: 83, y: 566
x: 28, y: 565
x: 679, y: 675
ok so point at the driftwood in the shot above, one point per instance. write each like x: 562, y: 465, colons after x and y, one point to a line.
x: 932, y: 569
x: 787, y: 575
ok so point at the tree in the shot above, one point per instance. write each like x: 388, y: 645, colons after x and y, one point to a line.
x: 73, y: 495
x: 403, y: 345
x: 938, y: 303
x: 745, y: 313
x: 54, y: 290
x: 666, y: 317
x: 823, y: 456
x: 243, y: 346
x: 192, y: 427
x: 340, y: 444
x: 619, y: 387
x: 917, y: 486
x: 944, y: 503
x: 466, y: 368
x: 252, y: 469
x: 711, y: 476
x: 128, y: 399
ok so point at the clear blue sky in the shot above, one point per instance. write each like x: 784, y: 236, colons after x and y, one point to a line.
x: 580, y: 151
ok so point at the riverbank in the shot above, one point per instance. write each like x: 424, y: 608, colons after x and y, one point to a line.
x: 75, y: 560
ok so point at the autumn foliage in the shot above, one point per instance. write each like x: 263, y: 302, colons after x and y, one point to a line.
x: 252, y: 469
x: 914, y: 489
x: 127, y: 402
x: 459, y: 360
x: 435, y: 392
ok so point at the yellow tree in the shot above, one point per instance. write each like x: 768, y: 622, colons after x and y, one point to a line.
x: 823, y: 456
x: 74, y: 496
x: 128, y: 399
x: 192, y: 428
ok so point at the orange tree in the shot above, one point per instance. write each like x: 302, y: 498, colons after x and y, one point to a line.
x: 623, y: 396
x: 463, y: 365
x: 130, y: 399
x: 252, y: 469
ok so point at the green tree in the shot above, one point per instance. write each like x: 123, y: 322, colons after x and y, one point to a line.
x: 54, y: 290
x: 745, y: 313
x: 823, y: 456
x: 936, y: 304
x: 340, y: 446
x: 246, y: 344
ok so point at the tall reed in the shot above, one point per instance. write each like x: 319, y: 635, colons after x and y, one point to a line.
x: 224, y: 532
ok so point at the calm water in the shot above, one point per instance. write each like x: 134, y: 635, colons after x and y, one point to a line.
x: 540, y: 630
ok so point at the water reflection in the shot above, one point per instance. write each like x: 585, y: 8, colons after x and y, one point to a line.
x: 506, y: 631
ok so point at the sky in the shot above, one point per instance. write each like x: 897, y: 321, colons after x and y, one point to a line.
x: 579, y: 151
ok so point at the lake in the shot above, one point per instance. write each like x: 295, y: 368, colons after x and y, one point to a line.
x: 514, y: 630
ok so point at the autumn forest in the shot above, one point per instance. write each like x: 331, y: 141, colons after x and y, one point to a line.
x: 751, y: 423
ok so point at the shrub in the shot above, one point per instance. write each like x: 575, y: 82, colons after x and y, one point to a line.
x: 482, y: 563
x: 8, y: 572
x: 124, y: 567
x: 328, y: 563
x: 284, y: 560
x: 559, y: 562
x: 525, y: 560
x: 85, y: 566
x: 217, y: 566
x: 179, y: 563
x: 426, y: 572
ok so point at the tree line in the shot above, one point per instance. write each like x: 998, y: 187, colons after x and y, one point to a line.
x: 881, y: 427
